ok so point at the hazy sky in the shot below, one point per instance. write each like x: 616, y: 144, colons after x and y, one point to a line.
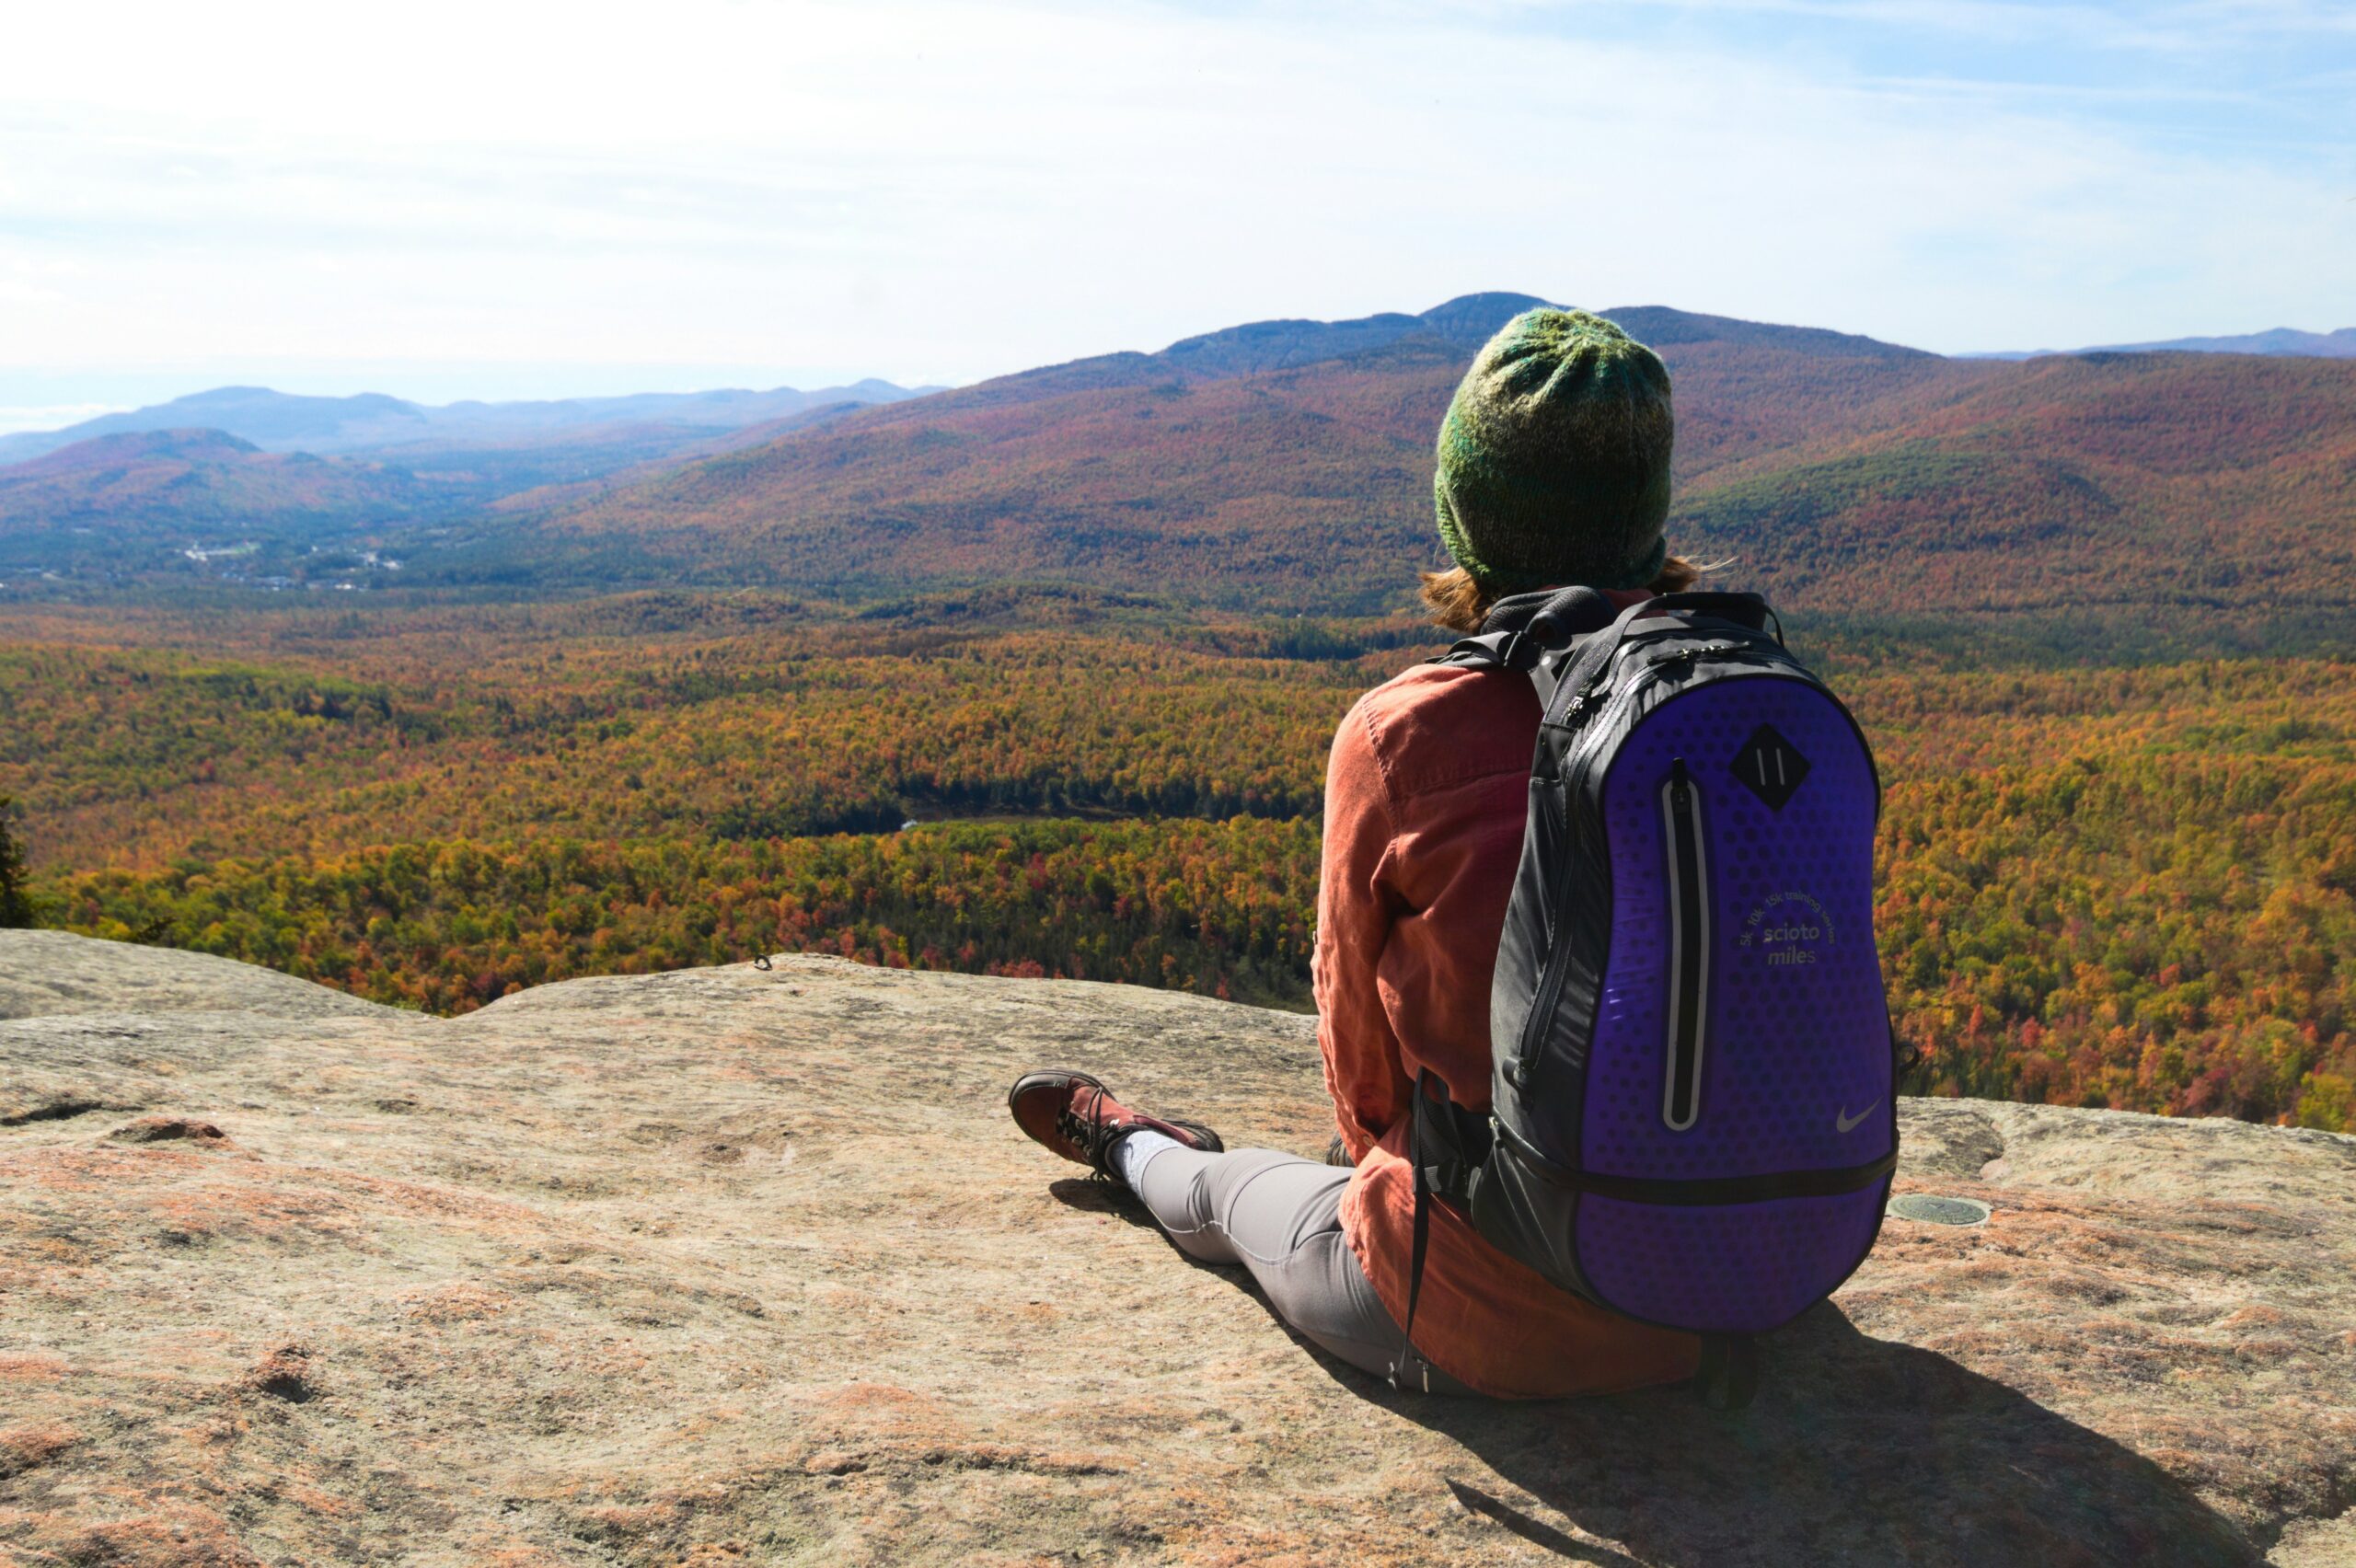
x: 441, y: 201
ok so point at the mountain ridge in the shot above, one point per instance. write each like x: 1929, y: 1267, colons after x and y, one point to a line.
x: 1286, y: 464
x: 127, y: 492
x: 190, y: 442
x: 1461, y: 324
x: 1284, y: 467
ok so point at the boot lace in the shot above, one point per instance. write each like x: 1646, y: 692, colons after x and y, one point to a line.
x: 1084, y: 1126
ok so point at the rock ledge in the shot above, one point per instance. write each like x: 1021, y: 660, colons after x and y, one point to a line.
x: 732, y: 1266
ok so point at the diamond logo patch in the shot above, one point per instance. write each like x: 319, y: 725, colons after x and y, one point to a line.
x: 1769, y: 766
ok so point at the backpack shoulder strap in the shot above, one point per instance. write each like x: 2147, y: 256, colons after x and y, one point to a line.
x: 1594, y: 652
x: 1487, y: 652
x: 1522, y: 631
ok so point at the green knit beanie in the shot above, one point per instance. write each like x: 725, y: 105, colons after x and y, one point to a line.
x: 1553, y: 458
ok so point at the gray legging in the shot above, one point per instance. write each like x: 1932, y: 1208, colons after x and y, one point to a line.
x: 1280, y: 1216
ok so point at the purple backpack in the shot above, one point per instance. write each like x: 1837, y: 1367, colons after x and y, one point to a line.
x: 1692, y: 1121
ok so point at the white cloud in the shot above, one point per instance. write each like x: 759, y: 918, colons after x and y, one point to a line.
x: 941, y: 191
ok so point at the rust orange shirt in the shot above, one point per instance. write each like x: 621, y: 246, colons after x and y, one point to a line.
x: 1424, y: 797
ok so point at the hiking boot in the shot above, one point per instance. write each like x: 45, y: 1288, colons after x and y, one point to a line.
x: 1078, y: 1118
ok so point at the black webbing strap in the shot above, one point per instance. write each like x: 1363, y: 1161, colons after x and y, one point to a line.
x: 1407, y: 1351
x: 1729, y: 1374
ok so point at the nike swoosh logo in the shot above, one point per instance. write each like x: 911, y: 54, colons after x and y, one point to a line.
x: 1846, y: 1122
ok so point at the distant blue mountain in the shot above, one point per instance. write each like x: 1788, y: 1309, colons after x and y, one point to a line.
x: 375, y: 423
x: 2288, y: 340
x: 2282, y: 342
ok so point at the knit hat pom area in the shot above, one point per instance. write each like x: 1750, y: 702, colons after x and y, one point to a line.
x: 1553, y: 458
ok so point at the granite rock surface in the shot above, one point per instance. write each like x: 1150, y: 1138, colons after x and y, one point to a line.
x: 732, y: 1266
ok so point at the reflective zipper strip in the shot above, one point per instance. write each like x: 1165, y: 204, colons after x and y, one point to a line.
x: 1689, y: 948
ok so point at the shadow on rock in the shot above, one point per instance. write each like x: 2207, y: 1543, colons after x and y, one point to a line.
x: 1093, y: 1195
x: 1857, y: 1451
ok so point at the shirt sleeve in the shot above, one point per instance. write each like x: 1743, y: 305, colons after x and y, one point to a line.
x: 1357, y: 905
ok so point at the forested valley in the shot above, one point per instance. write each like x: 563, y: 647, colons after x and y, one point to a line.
x: 2132, y: 884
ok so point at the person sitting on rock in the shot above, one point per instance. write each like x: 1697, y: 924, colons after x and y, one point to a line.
x: 1553, y: 472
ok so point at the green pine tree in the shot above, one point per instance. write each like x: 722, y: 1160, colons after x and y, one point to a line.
x: 16, y: 905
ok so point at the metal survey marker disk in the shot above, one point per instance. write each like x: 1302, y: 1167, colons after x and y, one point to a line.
x: 1939, y: 1211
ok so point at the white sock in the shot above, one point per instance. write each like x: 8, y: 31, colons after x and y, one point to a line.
x: 1135, y: 1149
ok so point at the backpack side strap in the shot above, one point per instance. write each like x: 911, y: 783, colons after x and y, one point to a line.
x: 1445, y: 1144
x: 1410, y: 1361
